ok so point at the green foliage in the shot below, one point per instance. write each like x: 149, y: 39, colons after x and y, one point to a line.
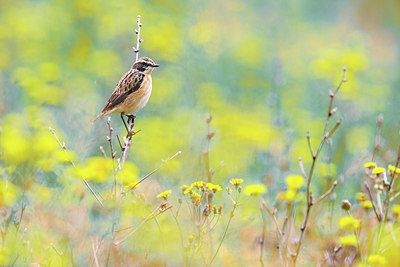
x: 262, y: 70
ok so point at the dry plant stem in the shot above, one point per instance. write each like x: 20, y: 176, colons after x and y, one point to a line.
x: 151, y: 216
x: 64, y: 148
x: 326, y: 134
x: 377, y: 146
x: 156, y: 169
x: 207, y: 152
x: 126, y: 148
x: 235, y: 203
x: 109, y: 139
x: 103, y: 152
x: 96, y: 261
x: 262, y: 239
x: 387, y: 199
x: 378, y: 216
x: 138, y: 41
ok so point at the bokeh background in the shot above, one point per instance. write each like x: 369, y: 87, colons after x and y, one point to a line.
x: 261, y: 69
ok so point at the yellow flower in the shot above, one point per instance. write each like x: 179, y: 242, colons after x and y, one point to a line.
x: 361, y: 197
x: 189, y: 190
x: 294, y: 181
x: 290, y: 195
x: 396, y: 210
x: 255, y: 189
x: 378, y: 170
x: 236, y: 182
x: 370, y: 165
x: 349, y: 223
x: 198, y: 184
x: 164, y: 194
x: 376, y: 260
x: 195, y: 196
x: 213, y: 187
x: 366, y: 204
x: 350, y: 240
x: 392, y: 169
x: 190, y: 238
x: 184, y: 187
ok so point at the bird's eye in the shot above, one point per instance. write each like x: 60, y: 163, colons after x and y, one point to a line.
x: 141, y: 69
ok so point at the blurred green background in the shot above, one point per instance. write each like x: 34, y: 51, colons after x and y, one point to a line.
x: 262, y: 69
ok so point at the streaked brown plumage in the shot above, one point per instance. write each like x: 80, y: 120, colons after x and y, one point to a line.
x: 132, y: 91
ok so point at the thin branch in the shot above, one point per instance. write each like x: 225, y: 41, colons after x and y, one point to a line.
x: 96, y: 261
x: 151, y: 216
x: 62, y: 145
x: 309, y: 144
x: 156, y: 169
x: 325, y: 136
x: 303, y: 171
x: 377, y: 145
x: 378, y: 216
x: 327, y: 193
x: 138, y: 41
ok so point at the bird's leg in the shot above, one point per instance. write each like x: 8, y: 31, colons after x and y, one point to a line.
x: 122, y: 118
x: 131, y: 118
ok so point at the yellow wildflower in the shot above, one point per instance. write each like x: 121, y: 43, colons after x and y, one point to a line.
x: 236, y: 182
x: 376, y: 260
x: 392, y: 169
x: 290, y: 195
x: 213, y: 187
x: 370, y: 165
x: 195, y: 196
x: 255, y: 189
x: 184, y: 187
x: 190, y: 237
x: 350, y: 240
x: 189, y: 190
x: 164, y: 194
x: 366, y: 204
x: 349, y: 223
x: 294, y: 181
x: 378, y: 170
x: 361, y: 196
x: 396, y: 210
x: 198, y: 184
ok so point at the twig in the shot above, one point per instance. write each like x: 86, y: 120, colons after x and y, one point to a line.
x: 315, y: 155
x: 156, y: 169
x: 103, y: 152
x: 309, y: 144
x: 377, y: 145
x: 152, y: 215
x: 378, y: 216
x: 303, y: 171
x: 226, y: 230
x: 262, y: 239
x: 109, y: 139
x: 138, y: 41
x: 326, y: 193
x: 95, y: 255
x: 210, y: 135
x: 73, y: 164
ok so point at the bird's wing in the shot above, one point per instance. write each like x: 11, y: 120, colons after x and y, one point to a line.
x: 128, y: 84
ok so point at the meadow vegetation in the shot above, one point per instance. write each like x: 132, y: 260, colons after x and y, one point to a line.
x: 267, y: 141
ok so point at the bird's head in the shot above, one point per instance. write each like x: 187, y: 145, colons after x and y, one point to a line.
x: 144, y: 65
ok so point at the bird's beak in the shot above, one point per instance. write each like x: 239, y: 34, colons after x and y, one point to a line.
x: 155, y: 66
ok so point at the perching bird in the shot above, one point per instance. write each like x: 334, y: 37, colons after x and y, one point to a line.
x: 132, y: 91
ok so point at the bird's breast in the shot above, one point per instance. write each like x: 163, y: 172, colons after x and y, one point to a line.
x: 139, y: 98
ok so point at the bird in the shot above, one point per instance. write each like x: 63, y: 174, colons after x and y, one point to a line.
x: 132, y: 91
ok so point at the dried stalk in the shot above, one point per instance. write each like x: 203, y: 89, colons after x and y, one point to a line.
x: 326, y: 135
